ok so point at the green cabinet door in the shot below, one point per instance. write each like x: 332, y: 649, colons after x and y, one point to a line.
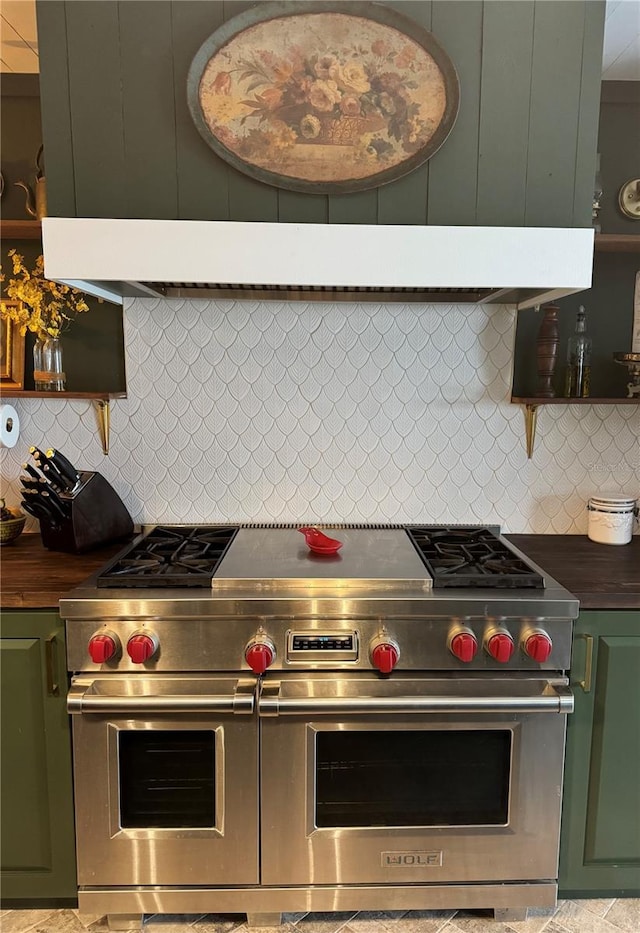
x: 37, y: 828
x: 600, y: 839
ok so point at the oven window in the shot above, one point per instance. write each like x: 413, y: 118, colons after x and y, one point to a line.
x: 453, y: 778
x: 167, y: 779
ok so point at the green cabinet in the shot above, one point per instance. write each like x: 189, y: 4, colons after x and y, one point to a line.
x: 600, y: 840
x: 37, y: 831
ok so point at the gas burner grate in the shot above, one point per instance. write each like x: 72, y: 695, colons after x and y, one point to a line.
x: 471, y: 557
x: 170, y: 556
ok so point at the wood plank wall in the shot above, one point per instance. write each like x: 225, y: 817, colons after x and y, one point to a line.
x: 120, y: 141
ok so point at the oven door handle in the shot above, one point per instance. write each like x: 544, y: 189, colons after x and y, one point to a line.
x: 89, y: 700
x: 556, y: 698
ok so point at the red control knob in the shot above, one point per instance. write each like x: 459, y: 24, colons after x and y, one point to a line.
x: 384, y: 657
x: 140, y: 648
x: 464, y: 646
x: 259, y: 656
x: 500, y: 646
x: 538, y: 647
x: 102, y: 648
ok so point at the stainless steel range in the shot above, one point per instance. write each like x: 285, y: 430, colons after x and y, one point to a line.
x: 259, y: 728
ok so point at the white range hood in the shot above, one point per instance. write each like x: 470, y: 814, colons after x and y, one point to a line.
x: 115, y: 259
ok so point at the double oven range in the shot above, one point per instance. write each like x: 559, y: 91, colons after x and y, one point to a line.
x: 259, y: 729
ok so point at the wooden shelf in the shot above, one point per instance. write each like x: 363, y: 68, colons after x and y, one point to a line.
x: 31, y: 393
x: 531, y: 405
x: 617, y: 243
x: 101, y: 401
x: 20, y: 229
x: 559, y: 400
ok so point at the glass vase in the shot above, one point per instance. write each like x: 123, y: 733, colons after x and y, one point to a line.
x: 48, y: 372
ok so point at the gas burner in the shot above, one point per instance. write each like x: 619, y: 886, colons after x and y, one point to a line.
x: 178, y: 556
x: 471, y: 557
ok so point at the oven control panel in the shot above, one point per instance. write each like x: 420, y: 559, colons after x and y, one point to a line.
x: 322, y: 646
x: 323, y: 643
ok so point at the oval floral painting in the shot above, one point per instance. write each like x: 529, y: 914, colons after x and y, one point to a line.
x: 323, y: 97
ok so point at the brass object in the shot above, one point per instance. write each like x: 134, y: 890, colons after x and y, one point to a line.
x: 632, y: 362
x: 530, y: 421
x: 12, y: 351
x: 588, y: 663
x: 53, y: 688
x: 629, y: 199
x: 36, y: 203
x: 104, y: 423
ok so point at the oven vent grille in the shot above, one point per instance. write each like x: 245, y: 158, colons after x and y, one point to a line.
x: 347, y: 526
x: 469, y: 295
x: 366, y: 526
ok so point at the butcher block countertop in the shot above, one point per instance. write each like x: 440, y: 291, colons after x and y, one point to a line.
x: 34, y: 578
x: 601, y: 576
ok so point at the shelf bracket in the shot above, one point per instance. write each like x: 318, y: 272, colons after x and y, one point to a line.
x: 104, y: 422
x: 530, y: 422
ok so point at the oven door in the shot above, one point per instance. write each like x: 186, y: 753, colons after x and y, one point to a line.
x: 399, y: 780
x: 166, y: 779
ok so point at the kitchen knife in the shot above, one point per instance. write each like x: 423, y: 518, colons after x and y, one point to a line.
x: 46, y: 510
x: 64, y: 466
x: 45, y: 467
x: 34, y: 509
x: 29, y: 483
x: 37, y: 485
x: 33, y: 473
x: 37, y: 454
x: 54, y: 477
x: 52, y: 501
x: 49, y: 500
x: 47, y: 490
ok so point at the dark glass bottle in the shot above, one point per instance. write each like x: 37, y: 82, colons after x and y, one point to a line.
x: 578, y: 371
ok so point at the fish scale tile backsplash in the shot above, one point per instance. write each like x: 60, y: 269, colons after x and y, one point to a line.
x: 295, y: 411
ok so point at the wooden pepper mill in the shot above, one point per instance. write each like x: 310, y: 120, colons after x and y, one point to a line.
x: 547, y: 351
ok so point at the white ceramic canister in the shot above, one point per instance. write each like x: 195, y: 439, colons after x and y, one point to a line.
x: 611, y: 518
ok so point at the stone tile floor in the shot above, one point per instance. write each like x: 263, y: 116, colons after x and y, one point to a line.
x: 584, y: 916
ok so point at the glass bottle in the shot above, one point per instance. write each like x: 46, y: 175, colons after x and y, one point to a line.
x: 578, y: 372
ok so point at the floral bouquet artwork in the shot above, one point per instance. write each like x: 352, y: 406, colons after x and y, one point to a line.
x: 324, y: 100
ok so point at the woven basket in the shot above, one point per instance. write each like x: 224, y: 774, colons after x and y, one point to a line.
x: 11, y: 528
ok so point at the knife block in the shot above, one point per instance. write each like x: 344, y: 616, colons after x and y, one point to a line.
x: 97, y: 516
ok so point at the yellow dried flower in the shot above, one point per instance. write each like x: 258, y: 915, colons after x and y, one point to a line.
x: 47, y: 308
